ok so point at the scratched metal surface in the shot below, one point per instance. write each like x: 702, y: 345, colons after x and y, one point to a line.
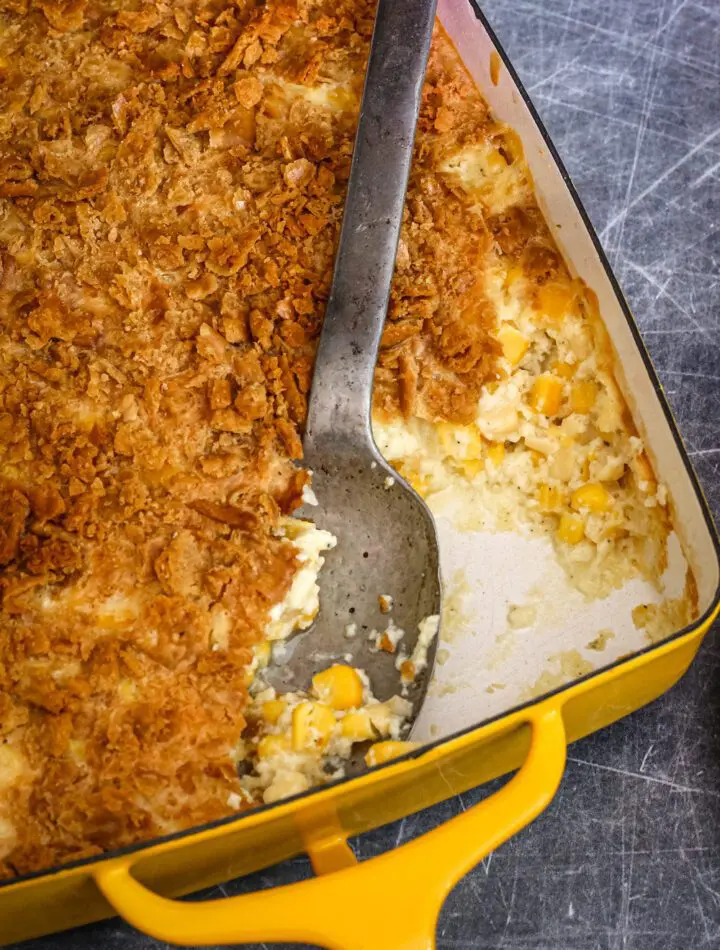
x: 628, y: 855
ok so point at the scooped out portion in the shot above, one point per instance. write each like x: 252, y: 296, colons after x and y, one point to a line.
x: 172, y: 179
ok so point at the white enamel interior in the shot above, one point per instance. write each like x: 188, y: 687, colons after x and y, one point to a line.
x: 484, y: 666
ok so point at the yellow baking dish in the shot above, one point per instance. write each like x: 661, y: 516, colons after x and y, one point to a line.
x: 400, y: 893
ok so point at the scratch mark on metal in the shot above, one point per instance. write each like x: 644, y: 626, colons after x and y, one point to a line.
x: 622, y: 215
x: 646, y: 778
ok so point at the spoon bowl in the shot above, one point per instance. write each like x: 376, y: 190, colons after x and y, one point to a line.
x: 386, y: 548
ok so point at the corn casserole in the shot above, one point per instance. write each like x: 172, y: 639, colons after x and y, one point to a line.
x: 172, y: 177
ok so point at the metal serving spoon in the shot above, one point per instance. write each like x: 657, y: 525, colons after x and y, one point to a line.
x: 386, y: 539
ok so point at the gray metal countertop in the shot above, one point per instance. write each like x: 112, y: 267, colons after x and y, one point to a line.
x: 628, y: 855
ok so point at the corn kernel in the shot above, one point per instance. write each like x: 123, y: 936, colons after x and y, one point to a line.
x: 554, y: 300
x: 571, y: 529
x: 312, y: 724
x: 413, y: 478
x: 583, y: 396
x: 495, y: 162
x: 593, y: 496
x: 514, y: 274
x: 471, y: 468
x: 460, y: 442
x: 546, y: 394
x: 284, y: 785
x: 514, y: 344
x: 262, y: 652
x: 272, y: 710
x: 446, y: 437
x: 566, y: 370
x: 339, y: 686
x: 380, y: 717
x: 357, y: 726
x: 550, y: 498
x: 496, y: 453
x: 270, y: 746
x: 385, y: 751
x: 421, y: 485
x: 610, y: 470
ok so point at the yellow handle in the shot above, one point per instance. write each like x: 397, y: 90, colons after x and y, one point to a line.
x: 387, y: 903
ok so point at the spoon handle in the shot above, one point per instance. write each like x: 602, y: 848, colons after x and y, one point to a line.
x: 364, y: 264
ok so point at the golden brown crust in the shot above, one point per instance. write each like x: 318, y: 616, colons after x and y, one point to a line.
x: 156, y: 353
x: 437, y: 349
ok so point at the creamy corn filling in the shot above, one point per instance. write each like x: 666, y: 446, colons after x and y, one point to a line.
x: 552, y: 442
x: 302, y: 740
x: 297, y: 610
x: 551, y: 445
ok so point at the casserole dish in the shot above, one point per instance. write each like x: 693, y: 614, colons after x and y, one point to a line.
x: 319, y: 822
